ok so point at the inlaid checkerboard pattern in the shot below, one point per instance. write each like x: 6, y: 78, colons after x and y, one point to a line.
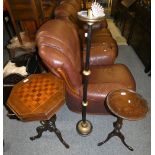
x: 36, y: 94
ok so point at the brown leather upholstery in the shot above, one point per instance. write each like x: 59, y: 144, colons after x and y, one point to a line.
x: 59, y: 48
x: 68, y: 11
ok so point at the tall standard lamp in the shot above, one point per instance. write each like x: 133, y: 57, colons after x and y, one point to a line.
x: 84, y: 127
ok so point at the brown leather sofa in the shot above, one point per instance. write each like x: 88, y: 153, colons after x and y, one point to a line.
x: 59, y: 49
x: 103, y: 47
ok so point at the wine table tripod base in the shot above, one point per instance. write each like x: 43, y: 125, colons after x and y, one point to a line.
x: 125, y: 104
x: 116, y: 132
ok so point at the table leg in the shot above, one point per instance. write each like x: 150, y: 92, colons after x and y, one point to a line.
x: 50, y: 126
x: 116, y: 132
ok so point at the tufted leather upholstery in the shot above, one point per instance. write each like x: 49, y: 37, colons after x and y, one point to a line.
x: 59, y: 48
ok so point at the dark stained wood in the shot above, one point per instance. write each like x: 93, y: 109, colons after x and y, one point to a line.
x: 135, y: 25
x: 51, y: 127
x: 140, y: 38
x: 25, y: 10
x: 116, y: 132
x: 27, y: 16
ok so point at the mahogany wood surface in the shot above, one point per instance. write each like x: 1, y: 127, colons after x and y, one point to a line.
x: 29, y: 15
x: 127, y: 104
x: 37, y: 97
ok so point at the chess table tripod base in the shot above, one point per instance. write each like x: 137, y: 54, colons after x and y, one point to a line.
x: 50, y: 126
x: 116, y: 132
x: 37, y: 98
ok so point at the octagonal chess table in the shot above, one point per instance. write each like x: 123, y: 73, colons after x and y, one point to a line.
x: 38, y: 97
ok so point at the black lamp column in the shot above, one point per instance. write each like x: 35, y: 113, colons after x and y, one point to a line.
x: 84, y: 127
x: 86, y: 73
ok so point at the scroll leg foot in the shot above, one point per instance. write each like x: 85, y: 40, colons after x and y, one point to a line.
x: 123, y: 141
x: 39, y: 130
x: 58, y: 133
x: 110, y: 135
x: 52, y: 128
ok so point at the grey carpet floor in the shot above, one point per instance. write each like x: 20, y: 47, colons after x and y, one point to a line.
x: 137, y: 133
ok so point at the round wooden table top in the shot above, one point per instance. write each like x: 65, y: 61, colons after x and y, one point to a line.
x: 127, y: 104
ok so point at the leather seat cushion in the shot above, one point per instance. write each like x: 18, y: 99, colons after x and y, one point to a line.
x: 101, y: 54
x: 101, y: 32
x: 101, y: 81
x: 117, y: 73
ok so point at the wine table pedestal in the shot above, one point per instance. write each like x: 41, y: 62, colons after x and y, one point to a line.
x: 125, y: 104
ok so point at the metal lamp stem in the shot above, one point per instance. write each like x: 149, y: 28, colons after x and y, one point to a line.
x: 84, y: 127
x: 86, y: 72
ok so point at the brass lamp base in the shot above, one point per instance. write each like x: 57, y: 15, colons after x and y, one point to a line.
x: 84, y: 128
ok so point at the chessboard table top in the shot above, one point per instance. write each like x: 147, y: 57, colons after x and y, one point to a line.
x: 37, y: 97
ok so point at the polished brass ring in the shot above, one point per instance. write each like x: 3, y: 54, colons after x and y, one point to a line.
x: 86, y: 73
x: 84, y: 103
